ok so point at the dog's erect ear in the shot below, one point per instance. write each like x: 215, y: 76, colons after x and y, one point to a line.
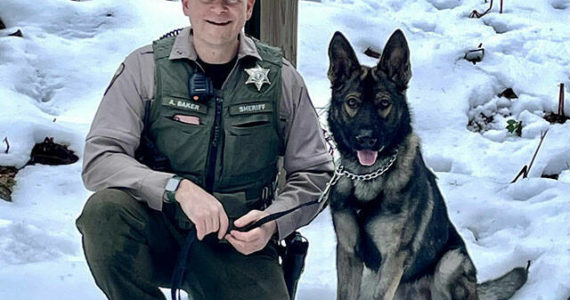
x: 343, y: 60
x: 395, y: 60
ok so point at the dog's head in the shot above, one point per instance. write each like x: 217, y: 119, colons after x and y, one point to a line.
x: 368, y: 114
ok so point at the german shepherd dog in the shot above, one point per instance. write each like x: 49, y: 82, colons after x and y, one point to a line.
x: 395, y: 239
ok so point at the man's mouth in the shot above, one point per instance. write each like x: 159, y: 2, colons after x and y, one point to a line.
x: 219, y: 23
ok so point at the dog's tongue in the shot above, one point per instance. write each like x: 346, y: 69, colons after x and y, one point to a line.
x: 367, y: 157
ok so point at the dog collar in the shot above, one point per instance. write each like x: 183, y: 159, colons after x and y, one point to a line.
x: 368, y: 176
x: 340, y: 171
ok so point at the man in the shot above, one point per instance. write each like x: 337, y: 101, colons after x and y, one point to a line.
x: 222, y: 152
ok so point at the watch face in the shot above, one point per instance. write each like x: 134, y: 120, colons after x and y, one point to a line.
x: 172, y: 184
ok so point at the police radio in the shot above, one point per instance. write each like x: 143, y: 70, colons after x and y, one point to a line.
x: 200, y: 87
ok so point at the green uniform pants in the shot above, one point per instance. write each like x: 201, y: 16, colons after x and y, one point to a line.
x: 131, y: 251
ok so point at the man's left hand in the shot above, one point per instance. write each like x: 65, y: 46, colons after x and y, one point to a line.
x: 255, y: 239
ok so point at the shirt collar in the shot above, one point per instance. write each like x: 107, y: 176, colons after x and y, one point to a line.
x: 184, y: 46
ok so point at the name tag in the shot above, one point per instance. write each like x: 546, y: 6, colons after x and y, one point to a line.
x: 251, y: 108
x: 184, y: 104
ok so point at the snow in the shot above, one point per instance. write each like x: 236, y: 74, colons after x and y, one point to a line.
x: 52, y: 80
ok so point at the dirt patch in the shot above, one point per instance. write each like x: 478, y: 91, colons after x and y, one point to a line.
x: 508, y: 93
x: 50, y: 153
x: 555, y: 118
x: 7, y: 182
x: 550, y: 176
x: 480, y: 123
x: 17, y: 33
x: 492, y: 114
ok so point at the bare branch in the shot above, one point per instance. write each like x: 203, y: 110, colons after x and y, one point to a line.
x: 476, y: 14
x: 524, y: 171
x: 7, y: 145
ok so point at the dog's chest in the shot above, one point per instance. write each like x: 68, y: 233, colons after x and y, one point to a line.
x: 367, y: 190
x: 362, y: 191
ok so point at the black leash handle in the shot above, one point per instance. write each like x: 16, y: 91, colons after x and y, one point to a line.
x: 268, y: 218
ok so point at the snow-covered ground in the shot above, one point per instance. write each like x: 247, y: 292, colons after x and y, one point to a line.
x: 51, y: 82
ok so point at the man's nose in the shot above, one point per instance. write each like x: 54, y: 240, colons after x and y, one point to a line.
x: 218, y: 6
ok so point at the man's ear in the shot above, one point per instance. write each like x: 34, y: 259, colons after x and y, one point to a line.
x: 342, y: 60
x: 395, y: 60
x: 185, y: 7
x: 249, y: 9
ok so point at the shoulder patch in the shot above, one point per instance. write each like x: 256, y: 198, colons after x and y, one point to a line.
x: 117, y: 74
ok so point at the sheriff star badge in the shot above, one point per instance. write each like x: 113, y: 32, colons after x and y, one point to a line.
x: 258, y: 76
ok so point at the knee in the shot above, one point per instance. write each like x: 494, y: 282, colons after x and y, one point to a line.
x: 102, y: 210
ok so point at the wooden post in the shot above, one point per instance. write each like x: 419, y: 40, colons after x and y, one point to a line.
x: 561, y: 100
x: 279, y: 26
x: 276, y: 25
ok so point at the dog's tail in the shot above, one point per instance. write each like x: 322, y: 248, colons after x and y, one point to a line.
x: 505, y: 286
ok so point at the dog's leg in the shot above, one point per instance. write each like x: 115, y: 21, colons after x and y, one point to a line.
x: 386, y: 233
x: 389, y: 276
x: 348, y: 264
x: 349, y: 271
x: 455, y: 277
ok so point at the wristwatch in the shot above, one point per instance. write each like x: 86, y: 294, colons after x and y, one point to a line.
x: 170, y: 189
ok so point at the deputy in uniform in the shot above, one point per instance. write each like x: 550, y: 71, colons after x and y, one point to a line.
x: 222, y: 152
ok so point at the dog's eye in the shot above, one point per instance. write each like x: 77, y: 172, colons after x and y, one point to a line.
x: 384, y: 103
x: 352, y: 103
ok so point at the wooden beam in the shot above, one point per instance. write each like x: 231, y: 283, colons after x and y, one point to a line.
x: 275, y: 22
x: 279, y: 26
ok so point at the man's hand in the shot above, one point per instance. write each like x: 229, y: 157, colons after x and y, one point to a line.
x: 255, y: 239
x: 205, y: 211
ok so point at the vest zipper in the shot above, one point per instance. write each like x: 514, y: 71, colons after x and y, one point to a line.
x: 214, y: 143
x: 215, y: 139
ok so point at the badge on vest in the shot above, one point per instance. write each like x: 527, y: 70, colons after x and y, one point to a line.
x: 185, y: 104
x: 257, y: 76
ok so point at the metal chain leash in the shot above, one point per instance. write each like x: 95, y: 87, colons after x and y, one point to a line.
x: 340, y: 171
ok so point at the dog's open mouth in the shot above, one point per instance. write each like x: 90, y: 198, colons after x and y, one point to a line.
x: 367, y: 157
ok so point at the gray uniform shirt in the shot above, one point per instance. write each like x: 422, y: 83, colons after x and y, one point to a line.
x: 116, y: 130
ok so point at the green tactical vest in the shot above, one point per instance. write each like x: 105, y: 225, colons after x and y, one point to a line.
x: 237, y: 142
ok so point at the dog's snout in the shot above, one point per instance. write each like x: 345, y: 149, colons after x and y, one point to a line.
x: 365, y: 139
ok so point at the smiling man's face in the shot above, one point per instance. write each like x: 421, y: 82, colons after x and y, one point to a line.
x: 217, y: 23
